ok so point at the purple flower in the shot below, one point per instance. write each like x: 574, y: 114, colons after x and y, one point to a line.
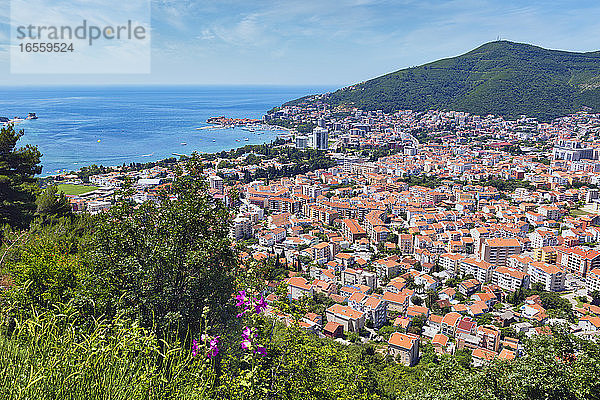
x: 260, y: 350
x: 194, y: 348
x: 260, y: 305
x: 246, y: 333
x: 241, y: 298
x: 246, y: 344
x: 213, y: 350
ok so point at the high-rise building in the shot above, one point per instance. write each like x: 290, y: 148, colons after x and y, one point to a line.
x: 320, y: 138
x: 301, y: 142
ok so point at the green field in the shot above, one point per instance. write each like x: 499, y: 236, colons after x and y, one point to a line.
x: 579, y: 213
x: 72, y: 189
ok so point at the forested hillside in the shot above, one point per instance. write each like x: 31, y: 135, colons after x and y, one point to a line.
x: 500, y: 77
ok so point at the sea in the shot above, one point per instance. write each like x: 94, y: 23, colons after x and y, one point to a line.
x: 81, y: 126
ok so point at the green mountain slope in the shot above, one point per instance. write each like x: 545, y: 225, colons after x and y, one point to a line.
x: 500, y: 77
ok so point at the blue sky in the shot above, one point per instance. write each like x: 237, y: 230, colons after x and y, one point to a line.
x: 329, y: 42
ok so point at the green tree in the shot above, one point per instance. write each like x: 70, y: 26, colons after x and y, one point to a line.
x: 44, y: 272
x: 18, y: 185
x: 168, y: 265
x: 50, y: 203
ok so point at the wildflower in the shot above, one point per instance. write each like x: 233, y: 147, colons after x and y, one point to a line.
x: 213, y: 350
x: 246, y: 344
x: 194, y: 348
x: 260, y: 350
x: 260, y: 305
x: 241, y: 298
x: 246, y: 333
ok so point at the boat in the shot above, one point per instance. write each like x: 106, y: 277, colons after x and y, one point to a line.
x: 246, y: 139
x: 32, y: 116
x: 214, y: 140
x: 183, y: 143
x: 237, y: 140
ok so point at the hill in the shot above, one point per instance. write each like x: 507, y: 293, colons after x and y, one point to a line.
x: 501, y: 77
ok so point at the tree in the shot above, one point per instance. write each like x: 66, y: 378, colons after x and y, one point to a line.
x: 52, y: 204
x: 18, y: 185
x: 168, y: 265
x: 44, y: 272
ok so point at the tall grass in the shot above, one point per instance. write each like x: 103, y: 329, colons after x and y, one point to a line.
x: 48, y: 357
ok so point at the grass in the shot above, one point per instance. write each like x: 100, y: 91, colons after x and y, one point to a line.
x: 72, y: 189
x: 47, y: 357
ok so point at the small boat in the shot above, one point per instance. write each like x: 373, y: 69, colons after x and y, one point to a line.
x: 245, y: 139
x: 214, y: 140
x: 183, y: 143
x: 32, y: 116
x: 237, y: 140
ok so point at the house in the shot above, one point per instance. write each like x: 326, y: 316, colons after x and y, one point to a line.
x: 352, y: 276
x: 489, y: 337
x: 466, y: 325
x: 404, y: 347
x: 482, y: 357
x: 440, y: 343
x: 351, y: 320
x: 589, y: 323
x: 469, y: 286
x: 333, y: 330
x: 374, y: 307
x: 299, y: 287
x: 449, y: 323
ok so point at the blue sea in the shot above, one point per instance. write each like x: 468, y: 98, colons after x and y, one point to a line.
x: 80, y: 126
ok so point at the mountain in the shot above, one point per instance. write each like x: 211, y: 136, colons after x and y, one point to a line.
x: 501, y: 77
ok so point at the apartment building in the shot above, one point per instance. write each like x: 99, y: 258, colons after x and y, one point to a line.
x: 578, y: 260
x: 543, y: 238
x: 480, y: 269
x: 592, y: 281
x: 550, y: 276
x: 496, y: 251
x: 510, y: 278
x: 353, y: 277
x: 352, y: 231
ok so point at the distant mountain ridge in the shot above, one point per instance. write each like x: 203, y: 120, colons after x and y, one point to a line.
x: 501, y: 77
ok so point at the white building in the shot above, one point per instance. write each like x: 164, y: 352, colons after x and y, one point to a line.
x: 320, y: 138
x: 301, y: 142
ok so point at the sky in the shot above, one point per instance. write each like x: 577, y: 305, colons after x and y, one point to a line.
x: 325, y: 42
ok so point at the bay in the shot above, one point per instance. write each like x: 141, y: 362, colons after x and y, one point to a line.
x: 80, y: 126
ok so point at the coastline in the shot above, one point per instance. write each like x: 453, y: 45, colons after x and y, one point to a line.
x: 79, y: 127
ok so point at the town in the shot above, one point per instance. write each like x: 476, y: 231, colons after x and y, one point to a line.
x: 427, y: 231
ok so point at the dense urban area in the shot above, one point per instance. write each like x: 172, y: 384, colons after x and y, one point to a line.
x: 416, y: 232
